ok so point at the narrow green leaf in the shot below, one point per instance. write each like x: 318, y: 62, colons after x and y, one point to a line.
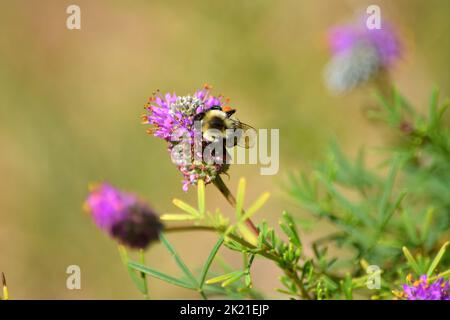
x: 255, y: 206
x: 247, y: 234
x: 138, y: 282
x: 382, y: 207
x: 362, y: 215
x: 426, y: 227
x: 444, y: 275
x: 185, y: 207
x: 411, y: 261
x: 178, y: 260
x: 201, y: 197
x: 223, y: 277
x: 240, y: 198
x: 177, y: 217
x: 160, y: 275
x: 409, y: 226
x: 437, y: 259
x: 209, y: 261
x: 232, y: 279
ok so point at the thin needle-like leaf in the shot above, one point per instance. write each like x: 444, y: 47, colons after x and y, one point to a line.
x: 185, y: 207
x: 133, y: 275
x: 209, y: 261
x: 383, y: 205
x: 178, y: 260
x: 160, y: 275
x: 437, y: 259
x: 177, y: 217
x: 240, y: 198
x: 255, y: 206
x: 411, y: 261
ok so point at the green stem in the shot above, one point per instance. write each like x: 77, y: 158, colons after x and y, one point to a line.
x: 218, y: 182
x: 202, y: 293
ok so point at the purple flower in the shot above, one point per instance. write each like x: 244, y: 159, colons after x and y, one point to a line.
x: 173, y: 119
x: 123, y: 216
x: 424, y: 289
x: 359, y: 53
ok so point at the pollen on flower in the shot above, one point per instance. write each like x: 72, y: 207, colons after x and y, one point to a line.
x: 171, y: 116
x: 425, y: 289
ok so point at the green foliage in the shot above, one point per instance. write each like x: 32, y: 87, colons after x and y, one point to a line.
x: 404, y: 203
x: 394, y: 217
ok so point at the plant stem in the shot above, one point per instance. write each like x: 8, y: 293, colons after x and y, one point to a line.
x: 218, y: 182
x: 143, y: 275
x: 5, y: 288
x: 202, y: 293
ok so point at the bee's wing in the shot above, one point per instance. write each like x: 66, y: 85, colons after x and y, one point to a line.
x: 247, y: 138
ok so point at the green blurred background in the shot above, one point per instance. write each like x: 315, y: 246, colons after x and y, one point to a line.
x: 71, y: 100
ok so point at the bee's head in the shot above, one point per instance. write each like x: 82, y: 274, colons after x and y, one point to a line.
x: 228, y: 110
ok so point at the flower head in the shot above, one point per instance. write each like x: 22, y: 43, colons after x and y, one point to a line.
x: 424, y: 289
x: 173, y: 118
x: 123, y: 216
x: 359, y: 53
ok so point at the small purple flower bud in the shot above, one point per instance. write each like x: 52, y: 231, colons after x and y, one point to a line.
x: 123, y: 216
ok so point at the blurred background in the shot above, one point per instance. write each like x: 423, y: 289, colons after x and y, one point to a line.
x: 71, y: 100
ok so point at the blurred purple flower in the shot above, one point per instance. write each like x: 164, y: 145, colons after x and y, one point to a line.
x: 359, y: 53
x: 123, y: 216
x: 423, y: 289
x: 172, y: 118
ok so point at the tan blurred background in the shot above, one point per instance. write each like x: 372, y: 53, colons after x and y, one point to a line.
x: 70, y: 105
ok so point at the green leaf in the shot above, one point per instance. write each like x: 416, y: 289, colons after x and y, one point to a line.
x: 240, y: 198
x: 232, y: 279
x: 209, y: 261
x: 437, y: 259
x: 409, y: 226
x: 411, y: 261
x: 255, y: 206
x: 201, y: 197
x: 224, y: 277
x: 383, y: 205
x: 247, y: 234
x: 159, y: 275
x: 138, y: 281
x: 177, y: 217
x: 185, y: 207
x: 348, y: 287
x: 178, y: 260
x: 357, y: 212
x: 427, y: 225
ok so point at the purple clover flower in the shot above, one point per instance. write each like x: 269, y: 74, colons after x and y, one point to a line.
x: 123, y: 216
x: 424, y: 289
x: 360, y: 53
x: 173, y: 116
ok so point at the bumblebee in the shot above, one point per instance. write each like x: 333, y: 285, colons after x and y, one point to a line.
x: 218, y: 124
